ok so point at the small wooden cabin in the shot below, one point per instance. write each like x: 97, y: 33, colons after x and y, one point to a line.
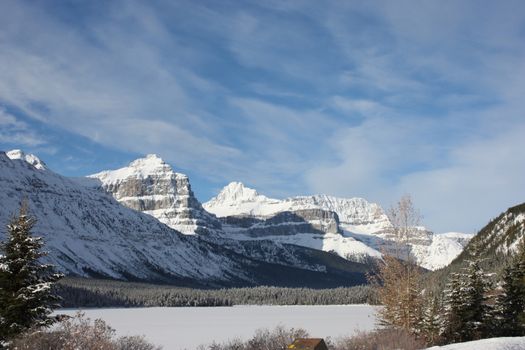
x: 308, y: 344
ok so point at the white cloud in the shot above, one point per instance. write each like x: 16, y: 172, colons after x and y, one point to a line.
x: 111, y: 83
x: 361, y: 106
x: 456, y: 188
x: 14, y: 131
x: 371, y: 155
x: 485, y: 178
x: 445, y: 122
x: 278, y: 143
x: 384, y: 98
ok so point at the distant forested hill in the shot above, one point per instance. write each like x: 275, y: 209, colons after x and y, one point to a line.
x: 79, y: 292
x: 498, y: 241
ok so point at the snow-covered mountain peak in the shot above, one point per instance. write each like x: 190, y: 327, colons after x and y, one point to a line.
x: 29, y: 158
x: 151, y: 162
x: 150, y: 185
x: 237, y: 192
x: 141, y: 168
x: 237, y: 199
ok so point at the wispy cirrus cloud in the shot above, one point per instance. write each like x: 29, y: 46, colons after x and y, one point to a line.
x: 445, y: 117
x: 111, y: 82
x: 372, y: 99
x: 14, y: 131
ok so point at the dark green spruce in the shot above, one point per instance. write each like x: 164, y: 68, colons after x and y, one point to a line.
x: 468, y: 312
x: 510, y: 303
x: 26, y: 284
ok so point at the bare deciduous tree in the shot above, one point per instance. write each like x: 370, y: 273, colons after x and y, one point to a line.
x: 405, y: 220
x: 398, y: 279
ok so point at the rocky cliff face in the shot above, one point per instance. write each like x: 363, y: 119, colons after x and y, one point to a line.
x: 353, y: 228
x: 308, y: 221
x: 151, y: 186
x: 316, y: 221
x: 355, y: 214
x: 351, y: 211
x: 236, y: 199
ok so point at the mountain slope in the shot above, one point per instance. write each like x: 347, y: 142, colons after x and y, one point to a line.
x: 443, y: 248
x: 151, y: 186
x: 89, y: 233
x: 497, y: 241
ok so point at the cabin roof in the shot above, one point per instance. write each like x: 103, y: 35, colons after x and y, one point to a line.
x: 308, y: 344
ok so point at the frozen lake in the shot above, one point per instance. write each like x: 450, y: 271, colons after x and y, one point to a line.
x: 187, y: 327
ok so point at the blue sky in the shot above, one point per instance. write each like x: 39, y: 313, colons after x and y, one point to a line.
x: 350, y: 98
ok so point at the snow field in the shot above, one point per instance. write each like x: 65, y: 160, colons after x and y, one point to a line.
x: 508, y: 343
x: 182, y: 328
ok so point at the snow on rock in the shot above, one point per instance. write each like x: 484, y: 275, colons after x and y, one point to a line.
x: 443, y: 248
x: 29, y: 158
x: 351, y: 211
x: 236, y: 199
x: 363, y: 227
x: 505, y: 343
x: 90, y: 233
x: 151, y: 186
x: 346, y: 247
x: 502, y: 232
x: 307, y: 221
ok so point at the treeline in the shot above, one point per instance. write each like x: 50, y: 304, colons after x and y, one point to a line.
x: 470, y: 307
x: 76, y: 292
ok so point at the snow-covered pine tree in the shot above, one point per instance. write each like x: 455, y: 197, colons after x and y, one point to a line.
x: 431, y: 320
x: 478, y: 310
x: 454, y: 302
x: 468, y: 314
x: 26, y: 295
x: 510, y: 304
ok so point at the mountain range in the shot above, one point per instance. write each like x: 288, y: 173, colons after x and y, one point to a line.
x: 143, y: 222
x: 358, y: 230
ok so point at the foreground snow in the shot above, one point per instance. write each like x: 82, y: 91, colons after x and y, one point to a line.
x: 509, y: 343
x: 187, y: 327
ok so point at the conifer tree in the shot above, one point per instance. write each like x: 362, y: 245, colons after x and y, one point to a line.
x: 431, y: 324
x: 510, y: 304
x: 477, y: 309
x: 26, y: 295
x: 454, y: 303
x: 467, y: 310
